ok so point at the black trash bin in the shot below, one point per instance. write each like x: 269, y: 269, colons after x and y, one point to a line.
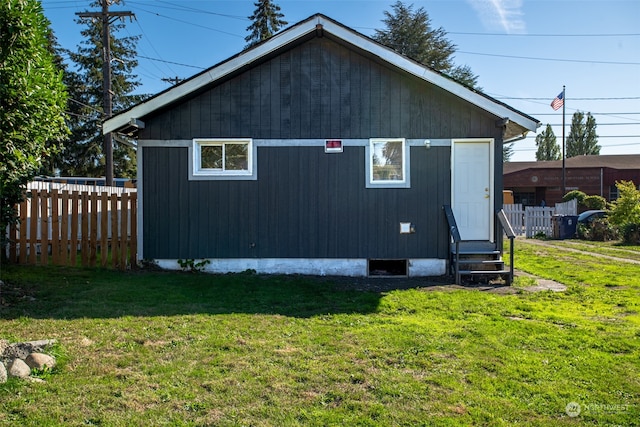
x: 567, y: 226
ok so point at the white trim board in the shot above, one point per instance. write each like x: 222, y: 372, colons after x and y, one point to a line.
x: 309, y: 266
x: 297, y: 31
x: 362, y: 142
x: 140, y: 210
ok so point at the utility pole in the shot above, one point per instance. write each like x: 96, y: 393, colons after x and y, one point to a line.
x: 564, y: 173
x: 173, y: 80
x: 107, y: 19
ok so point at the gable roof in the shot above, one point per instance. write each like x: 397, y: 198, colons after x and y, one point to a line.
x: 516, y: 123
x: 613, y: 161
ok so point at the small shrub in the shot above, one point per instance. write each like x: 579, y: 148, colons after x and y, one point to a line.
x: 626, y: 209
x: 541, y: 235
x: 192, y: 265
x: 599, y: 230
x: 630, y: 233
x: 574, y: 194
x: 594, y: 202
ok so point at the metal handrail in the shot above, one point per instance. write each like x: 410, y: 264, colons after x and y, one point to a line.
x: 508, y: 230
x: 454, y: 232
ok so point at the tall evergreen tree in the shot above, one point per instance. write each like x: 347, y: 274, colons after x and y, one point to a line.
x: 32, y: 100
x: 410, y: 33
x: 582, y: 139
x: 266, y: 21
x: 507, y: 152
x: 548, y: 148
x: 82, y: 154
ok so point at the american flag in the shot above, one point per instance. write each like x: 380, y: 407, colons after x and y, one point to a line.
x: 558, y: 101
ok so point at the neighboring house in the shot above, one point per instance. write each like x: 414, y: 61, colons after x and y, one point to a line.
x: 318, y: 151
x: 533, y: 182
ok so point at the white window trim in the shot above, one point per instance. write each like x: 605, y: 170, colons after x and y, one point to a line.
x: 406, y: 159
x: 197, y: 173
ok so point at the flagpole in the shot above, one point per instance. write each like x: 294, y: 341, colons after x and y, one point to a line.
x: 564, y: 182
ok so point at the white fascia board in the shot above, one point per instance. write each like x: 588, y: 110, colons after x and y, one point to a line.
x: 424, y: 73
x: 146, y: 107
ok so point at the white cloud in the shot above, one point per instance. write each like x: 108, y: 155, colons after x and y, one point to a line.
x: 500, y: 15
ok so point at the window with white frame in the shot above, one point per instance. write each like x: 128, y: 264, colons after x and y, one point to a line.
x: 387, y: 160
x: 222, y: 157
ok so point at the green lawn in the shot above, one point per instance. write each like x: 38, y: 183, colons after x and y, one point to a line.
x: 158, y: 348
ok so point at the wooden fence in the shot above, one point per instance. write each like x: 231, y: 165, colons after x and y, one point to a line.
x: 515, y: 215
x: 68, y: 228
x: 537, y: 219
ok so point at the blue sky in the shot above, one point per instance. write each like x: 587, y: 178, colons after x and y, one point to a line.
x: 519, y: 48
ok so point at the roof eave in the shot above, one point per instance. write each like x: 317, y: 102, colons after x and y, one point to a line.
x: 523, y: 122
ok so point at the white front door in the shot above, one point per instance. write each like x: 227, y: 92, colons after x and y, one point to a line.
x: 472, y: 187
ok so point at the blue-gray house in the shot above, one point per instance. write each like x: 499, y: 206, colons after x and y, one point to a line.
x: 318, y: 151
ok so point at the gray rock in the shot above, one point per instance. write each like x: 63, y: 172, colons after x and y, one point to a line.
x: 18, y: 368
x: 3, y: 373
x: 40, y: 361
x: 39, y: 345
x: 22, y: 349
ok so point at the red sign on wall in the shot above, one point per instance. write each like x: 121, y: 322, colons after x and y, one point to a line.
x: 333, y: 146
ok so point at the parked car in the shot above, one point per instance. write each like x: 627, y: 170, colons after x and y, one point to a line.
x: 587, y: 217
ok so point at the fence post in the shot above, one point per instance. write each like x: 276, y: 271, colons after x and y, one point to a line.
x: 133, y: 248
x: 104, y: 229
x: 44, y: 228
x: 115, y: 250
x: 75, y: 205
x: 93, y: 234
x: 55, y: 229
x: 84, y: 229
x: 64, y: 230
x: 124, y: 231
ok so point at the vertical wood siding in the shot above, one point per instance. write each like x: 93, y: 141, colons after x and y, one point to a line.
x: 306, y: 203
x: 321, y: 89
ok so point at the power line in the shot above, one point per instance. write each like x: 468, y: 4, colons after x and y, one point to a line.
x: 86, y: 105
x: 189, y: 23
x: 148, y: 39
x: 605, y: 124
x: 573, y: 99
x: 582, y: 61
x: 192, y: 9
x: 82, y: 116
x: 171, y: 62
x: 605, y: 136
x: 463, y: 33
x: 601, y: 114
x: 543, y: 35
